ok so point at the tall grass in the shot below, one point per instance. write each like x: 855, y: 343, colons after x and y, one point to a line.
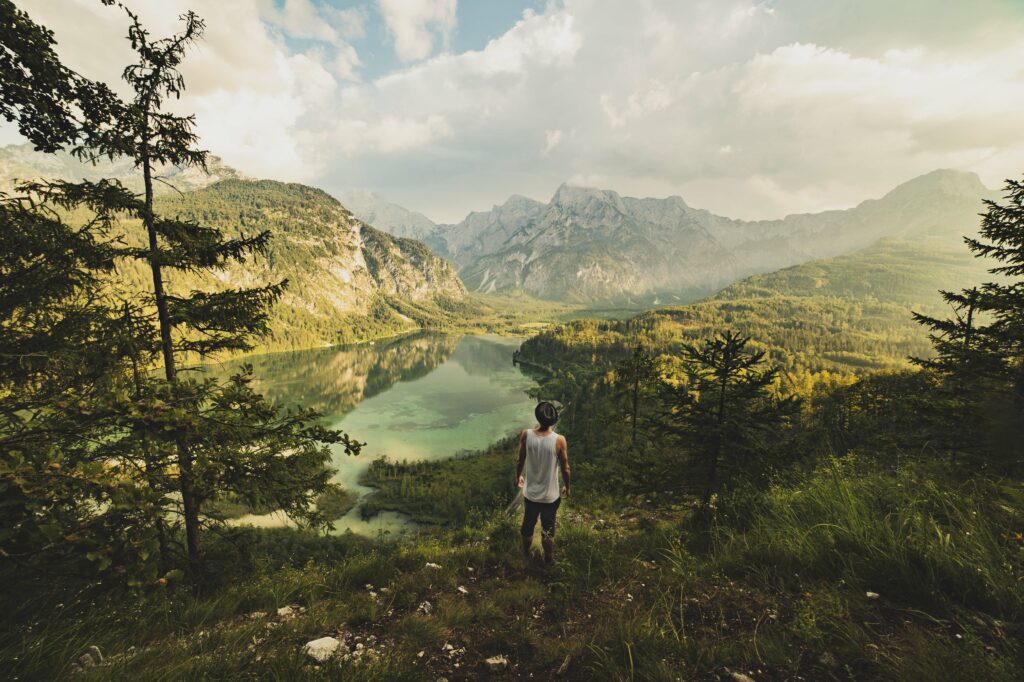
x: 908, y: 537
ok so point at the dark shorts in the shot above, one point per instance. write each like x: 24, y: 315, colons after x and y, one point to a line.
x: 545, y: 510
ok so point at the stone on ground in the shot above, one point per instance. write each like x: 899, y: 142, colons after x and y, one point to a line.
x: 322, y: 649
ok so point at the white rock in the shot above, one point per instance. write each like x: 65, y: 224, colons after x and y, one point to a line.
x: 425, y: 608
x: 320, y: 650
x: 431, y: 564
x: 462, y: 590
x: 496, y: 663
x: 871, y: 595
x: 288, y: 612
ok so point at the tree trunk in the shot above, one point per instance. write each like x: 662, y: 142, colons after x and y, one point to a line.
x: 185, y: 477
x: 161, y: 534
x: 636, y: 400
x: 716, y: 447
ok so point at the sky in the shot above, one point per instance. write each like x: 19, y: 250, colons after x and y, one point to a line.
x: 748, y: 108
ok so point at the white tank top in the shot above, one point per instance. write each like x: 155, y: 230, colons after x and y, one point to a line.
x: 541, y: 467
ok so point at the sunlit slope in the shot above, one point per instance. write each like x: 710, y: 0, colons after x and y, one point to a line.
x: 346, y: 280
x: 849, y: 314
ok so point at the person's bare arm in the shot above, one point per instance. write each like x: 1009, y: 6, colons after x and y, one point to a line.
x: 562, y: 450
x: 522, y: 460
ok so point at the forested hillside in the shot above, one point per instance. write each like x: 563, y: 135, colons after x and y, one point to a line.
x: 346, y: 280
x: 845, y: 316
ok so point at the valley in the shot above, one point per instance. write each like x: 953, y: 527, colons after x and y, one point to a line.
x: 260, y: 422
x: 370, y: 269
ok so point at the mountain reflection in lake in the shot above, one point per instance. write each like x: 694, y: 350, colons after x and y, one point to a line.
x: 428, y: 396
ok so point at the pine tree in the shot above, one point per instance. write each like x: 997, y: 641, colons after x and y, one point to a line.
x: 721, y: 409
x: 64, y: 508
x: 52, y: 105
x: 60, y: 359
x: 980, y: 350
x: 225, y: 436
x: 636, y: 374
x: 1002, y: 239
x: 110, y: 443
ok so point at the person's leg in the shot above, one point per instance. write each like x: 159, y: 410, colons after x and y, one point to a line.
x: 547, y: 523
x: 530, y: 512
x: 548, y: 541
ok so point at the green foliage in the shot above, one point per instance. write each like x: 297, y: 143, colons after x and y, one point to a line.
x: 447, y: 492
x: 923, y: 539
x: 335, y: 502
x: 980, y: 351
x: 52, y: 105
x: 62, y: 367
x: 721, y: 408
x: 101, y: 459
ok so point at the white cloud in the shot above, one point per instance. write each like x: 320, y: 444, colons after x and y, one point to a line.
x: 417, y: 25
x: 254, y: 99
x: 389, y: 135
x: 300, y: 19
x: 350, y: 22
x: 638, y: 104
x: 346, y: 62
x: 726, y: 103
x: 552, y: 138
x: 742, y: 107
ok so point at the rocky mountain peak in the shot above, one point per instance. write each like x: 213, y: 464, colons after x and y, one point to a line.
x: 579, y: 198
x: 943, y: 181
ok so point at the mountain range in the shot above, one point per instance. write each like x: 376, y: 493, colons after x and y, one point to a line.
x: 374, y: 209
x: 346, y: 280
x: 585, y: 246
x: 594, y: 246
x: 20, y: 162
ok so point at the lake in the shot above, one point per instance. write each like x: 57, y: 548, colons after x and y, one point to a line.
x: 420, y: 397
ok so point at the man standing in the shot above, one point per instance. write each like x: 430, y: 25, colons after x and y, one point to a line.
x: 542, y: 452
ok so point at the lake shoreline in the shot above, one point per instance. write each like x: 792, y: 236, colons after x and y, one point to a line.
x: 413, y: 399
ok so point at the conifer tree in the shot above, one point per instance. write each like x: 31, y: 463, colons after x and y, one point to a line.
x: 52, y: 105
x: 111, y: 443
x: 981, y: 349
x: 226, y: 437
x: 64, y: 510
x: 721, y: 408
x: 637, y: 373
x: 1002, y: 239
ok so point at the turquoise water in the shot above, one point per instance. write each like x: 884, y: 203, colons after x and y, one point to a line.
x: 424, y: 397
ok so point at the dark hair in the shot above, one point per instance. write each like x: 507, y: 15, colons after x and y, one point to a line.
x: 546, y: 414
